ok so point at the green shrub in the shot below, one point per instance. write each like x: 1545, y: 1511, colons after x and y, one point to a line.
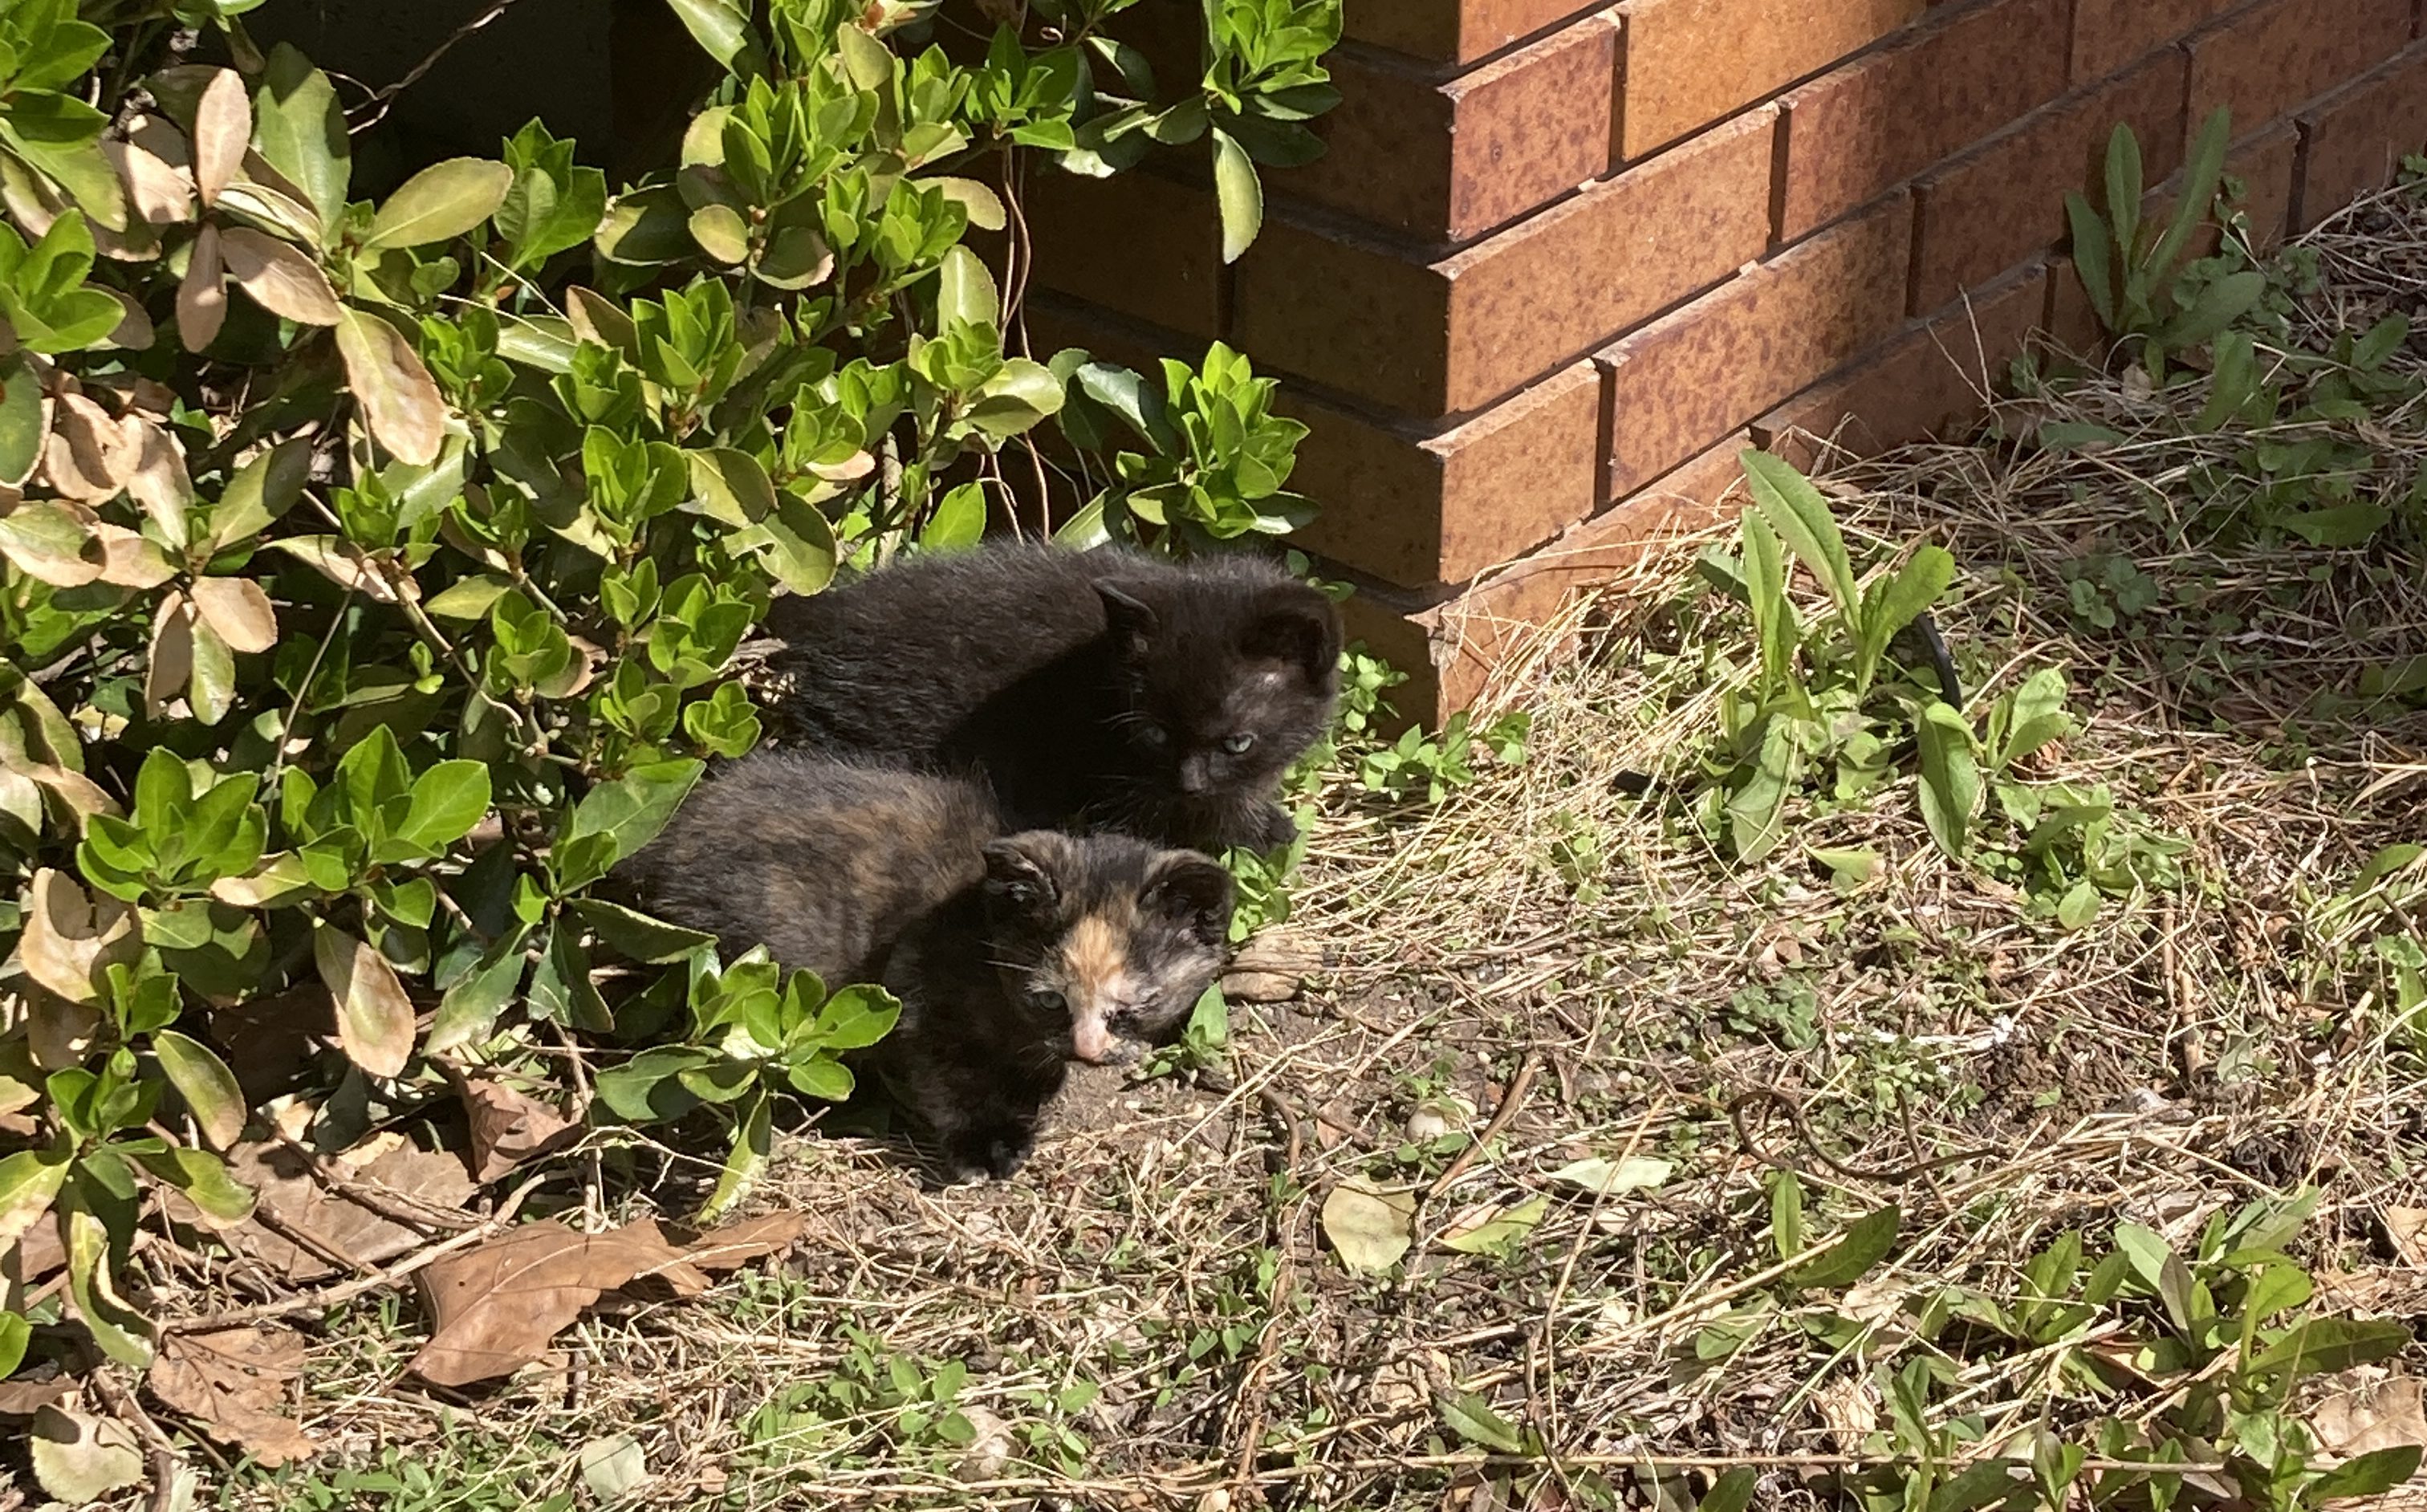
x: 372, y: 575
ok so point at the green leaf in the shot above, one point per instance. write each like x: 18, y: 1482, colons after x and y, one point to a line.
x: 722, y: 27
x: 204, y: 1178
x: 442, y: 201
x: 857, y: 1017
x: 1239, y: 194
x: 1084, y: 531
x: 630, y: 810
x: 2079, y: 906
x: 1850, y: 1259
x: 2340, y: 525
x: 721, y: 233
x: 299, y: 130
x: 1898, y: 602
x: 29, y: 1180
x: 752, y: 1140
x: 636, y: 935
x: 15, y: 1334
x: 21, y: 419
x: 2038, y: 716
x: 1951, y: 780
x: 2124, y: 185
x: 1501, y: 1233
x: 261, y: 491
x: 1731, y: 1492
x: 2324, y: 1346
x: 2218, y: 306
x: 1799, y: 513
x: 470, y: 1008
x: 964, y: 293
x: 1787, y: 1215
x: 448, y: 800
x: 1472, y: 1418
x: 959, y: 520
x: 2204, y: 169
x: 204, y: 1081
x: 2373, y: 1473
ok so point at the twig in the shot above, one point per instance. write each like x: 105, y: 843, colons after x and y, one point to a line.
x: 1509, y: 1102
x: 385, y: 97
x: 1251, y: 1386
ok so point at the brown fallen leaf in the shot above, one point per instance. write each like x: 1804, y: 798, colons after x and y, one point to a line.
x: 231, y: 1383
x: 508, y: 1128
x: 33, y: 1258
x: 2391, y: 1414
x: 2407, y: 1228
x: 737, y: 1244
x: 283, y: 1180
x: 22, y: 1399
x: 494, y: 1308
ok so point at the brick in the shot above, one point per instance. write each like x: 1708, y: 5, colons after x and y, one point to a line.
x: 1691, y: 62
x: 1135, y: 243
x: 2267, y: 62
x: 1415, y: 508
x: 1468, y: 647
x: 1429, y: 340
x: 1852, y: 133
x: 2110, y: 35
x: 1992, y: 208
x: 1447, y: 161
x: 1454, y: 31
x: 2352, y: 142
x: 1710, y: 366
x: 1931, y: 376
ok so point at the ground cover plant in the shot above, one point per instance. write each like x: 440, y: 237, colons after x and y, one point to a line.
x: 1742, y: 1072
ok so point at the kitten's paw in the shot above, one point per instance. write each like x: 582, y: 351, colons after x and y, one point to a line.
x: 997, y: 1153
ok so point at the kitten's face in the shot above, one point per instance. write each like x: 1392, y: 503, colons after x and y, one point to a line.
x: 1225, y: 695
x: 1105, y: 943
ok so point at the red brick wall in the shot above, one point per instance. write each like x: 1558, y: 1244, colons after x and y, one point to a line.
x: 1562, y: 258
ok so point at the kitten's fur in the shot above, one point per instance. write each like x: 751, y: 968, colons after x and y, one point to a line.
x: 1092, y: 689
x: 1011, y: 953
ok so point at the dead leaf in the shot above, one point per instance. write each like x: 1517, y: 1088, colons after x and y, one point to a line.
x: 494, y: 1308
x: 80, y: 1459
x: 22, y: 1399
x: 59, y: 1034
x: 222, y: 130
x: 285, y: 1186
x: 238, y: 610
x: 342, y: 563
x: 2407, y: 1228
x: 69, y: 938
x: 33, y: 1257
x: 172, y: 661
x: 2388, y: 1415
x: 50, y: 539
x: 1370, y: 1228
x: 130, y: 560
x: 271, y: 1040
x: 89, y: 456
x: 161, y: 485
x: 374, y: 1016
x: 508, y: 1128
x: 735, y: 1244
x: 1850, y: 1407
x: 401, y: 401
x: 232, y: 1383
x: 202, y: 295
x: 157, y: 192
x: 280, y: 278
x: 135, y: 331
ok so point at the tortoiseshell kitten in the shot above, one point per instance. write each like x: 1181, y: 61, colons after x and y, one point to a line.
x: 1103, y: 689
x: 1012, y: 954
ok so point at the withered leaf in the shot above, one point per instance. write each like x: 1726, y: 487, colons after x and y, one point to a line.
x: 494, y: 1308
x: 508, y: 1128
x: 159, y: 192
x: 238, y: 610
x: 70, y: 938
x: 222, y: 130
x: 231, y: 1383
x: 162, y: 486
x: 81, y: 1460
x: 281, y: 279
x: 172, y: 661
x: 735, y: 1245
x: 201, y: 297
x: 401, y: 401
x: 283, y: 1184
x: 374, y: 1016
x: 22, y: 1399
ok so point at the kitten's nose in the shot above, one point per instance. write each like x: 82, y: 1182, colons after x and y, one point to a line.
x: 1194, y: 775
x: 1090, y: 1040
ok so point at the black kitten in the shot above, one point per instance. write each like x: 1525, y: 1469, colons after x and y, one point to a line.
x: 1103, y: 687
x: 1012, y: 954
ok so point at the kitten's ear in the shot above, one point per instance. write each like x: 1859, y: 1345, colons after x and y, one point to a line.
x: 1300, y: 627
x: 1198, y: 895
x: 1018, y: 876
x: 1132, y: 620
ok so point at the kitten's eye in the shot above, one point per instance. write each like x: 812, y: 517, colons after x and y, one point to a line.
x: 1053, y: 1003
x: 1238, y: 744
x: 1154, y: 735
